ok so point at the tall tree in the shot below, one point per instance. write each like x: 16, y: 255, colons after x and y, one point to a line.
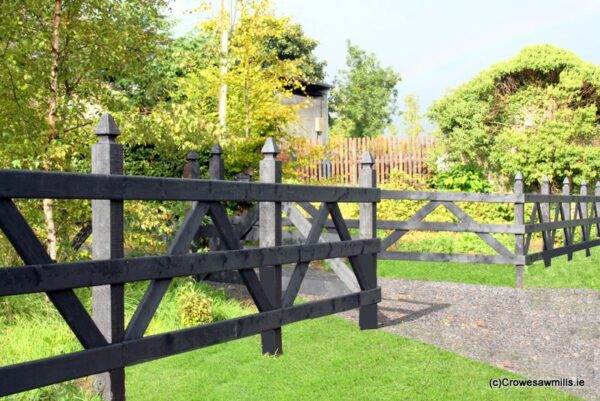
x: 267, y: 57
x: 411, y: 116
x: 538, y: 113
x: 48, y: 204
x: 364, y: 99
x: 224, y: 26
x: 61, y: 59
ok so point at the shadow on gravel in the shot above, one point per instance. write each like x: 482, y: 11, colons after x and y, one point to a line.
x: 388, y: 316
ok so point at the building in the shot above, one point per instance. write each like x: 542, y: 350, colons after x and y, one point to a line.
x: 313, y: 119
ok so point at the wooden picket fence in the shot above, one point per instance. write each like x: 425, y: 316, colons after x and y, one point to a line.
x: 339, y: 159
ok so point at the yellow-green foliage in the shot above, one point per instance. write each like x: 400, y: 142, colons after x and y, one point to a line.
x: 193, y: 307
x: 389, y: 209
x: 150, y: 225
x: 268, y: 56
x: 400, y: 210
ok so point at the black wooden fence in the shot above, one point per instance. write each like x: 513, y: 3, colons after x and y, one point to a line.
x: 574, y: 215
x: 108, y: 344
x: 548, y: 214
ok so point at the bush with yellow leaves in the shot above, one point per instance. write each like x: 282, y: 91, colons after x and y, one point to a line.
x: 193, y: 307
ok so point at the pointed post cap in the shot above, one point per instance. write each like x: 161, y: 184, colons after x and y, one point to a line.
x: 545, y: 179
x: 107, y: 126
x: 270, y: 147
x: 216, y: 149
x: 598, y: 184
x: 584, y: 183
x: 566, y: 181
x: 191, y: 156
x: 367, y: 158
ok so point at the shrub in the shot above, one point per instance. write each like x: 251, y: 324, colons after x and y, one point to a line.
x: 193, y: 306
x: 466, y: 178
x: 537, y: 113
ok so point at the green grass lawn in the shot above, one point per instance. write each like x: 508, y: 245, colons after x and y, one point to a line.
x: 324, y: 359
x: 581, y: 272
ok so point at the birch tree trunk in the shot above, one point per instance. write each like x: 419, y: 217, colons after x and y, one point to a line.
x: 48, y: 204
x: 223, y: 69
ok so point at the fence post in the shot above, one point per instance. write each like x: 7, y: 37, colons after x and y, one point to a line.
x: 583, y: 209
x: 216, y: 171
x: 519, y: 238
x: 107, y: 243
x: 367, y: 230
x: 216, y: 166
x: 566, y: 209
x: 191, y: 169
x: 596, y: 205
x: 545, y: 218
x: 270, y: 234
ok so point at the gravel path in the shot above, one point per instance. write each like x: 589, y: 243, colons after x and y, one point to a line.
x: 538, y: 333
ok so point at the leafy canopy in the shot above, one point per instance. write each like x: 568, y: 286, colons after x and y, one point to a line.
x: 101, y: 43
x: 268, y: 57
x: 116, y: 56
x: 364, y: 99
x: 538, y: 113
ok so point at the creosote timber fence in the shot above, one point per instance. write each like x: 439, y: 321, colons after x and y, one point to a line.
x: 248, y: 225
x: 108, y: 344
x: 549, y: 213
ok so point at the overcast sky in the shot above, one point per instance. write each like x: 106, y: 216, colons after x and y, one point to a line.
x: 435, y: 45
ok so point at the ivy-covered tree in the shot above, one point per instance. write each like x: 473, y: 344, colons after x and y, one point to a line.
x: 364, y: 99
x: 538, y: 113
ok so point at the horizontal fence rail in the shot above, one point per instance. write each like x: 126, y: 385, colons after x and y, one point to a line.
x: 58, y: 276
x: 451, y: 196
x: 40, y: 184
x: 108, y: 344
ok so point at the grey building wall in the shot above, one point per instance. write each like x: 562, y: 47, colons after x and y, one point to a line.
x: 313, y: 116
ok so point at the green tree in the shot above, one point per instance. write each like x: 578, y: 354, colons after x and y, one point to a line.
x: 411, y: 116
x: 538, y: 113
x: 292, y: 44
x: 267, y: 57
x: 364, y: 99
x: 60, y: 60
